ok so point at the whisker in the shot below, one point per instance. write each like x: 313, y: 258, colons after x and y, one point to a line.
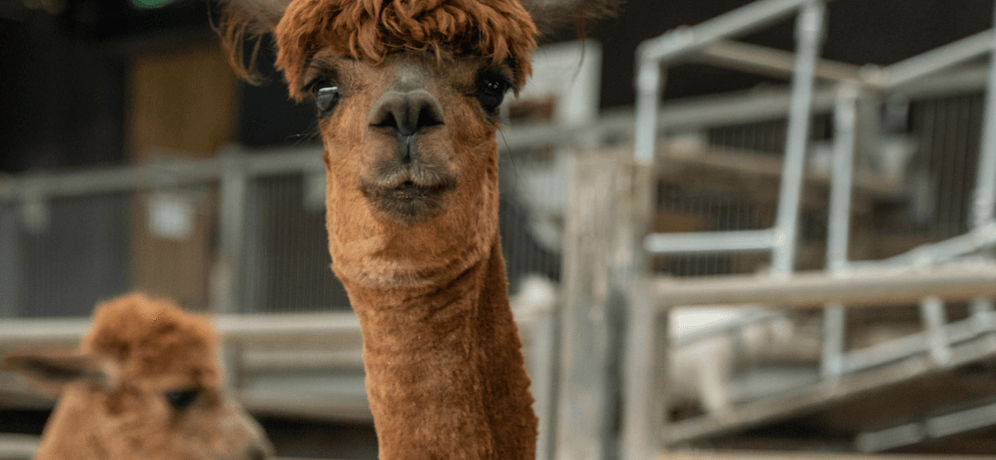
x: 308, y: 135
x: 511, y: 158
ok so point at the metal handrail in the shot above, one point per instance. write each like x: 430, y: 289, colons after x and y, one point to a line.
x: 299, y: 329
x: 842, y: 285
x: 648, y: 345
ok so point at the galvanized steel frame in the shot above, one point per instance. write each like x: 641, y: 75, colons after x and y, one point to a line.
x: 706, y: 42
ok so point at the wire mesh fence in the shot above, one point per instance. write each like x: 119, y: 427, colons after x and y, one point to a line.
x: 62, y: 251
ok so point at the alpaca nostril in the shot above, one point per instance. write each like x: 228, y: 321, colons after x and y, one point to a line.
x: 427, y: 116
x: 407, y: 113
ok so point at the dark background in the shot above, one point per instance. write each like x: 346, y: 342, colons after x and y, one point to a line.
x: 63, y: 74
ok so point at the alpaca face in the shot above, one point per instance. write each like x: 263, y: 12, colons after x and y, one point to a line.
x: 397, y: 126
x: 407, y: 95
x: 170, y: 417
x: 411, y: 161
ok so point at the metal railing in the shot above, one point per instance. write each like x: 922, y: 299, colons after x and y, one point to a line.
x: 645, y: 429
x: 844, y: 283
x: 664, y: 50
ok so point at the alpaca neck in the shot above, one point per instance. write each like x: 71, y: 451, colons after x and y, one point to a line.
x: 444, y: 366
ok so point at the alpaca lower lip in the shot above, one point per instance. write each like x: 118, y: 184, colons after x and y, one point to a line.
x: 408, y: 201
x: 411, y: 190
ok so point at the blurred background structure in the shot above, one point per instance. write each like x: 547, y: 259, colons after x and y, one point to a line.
x: 770, y: 230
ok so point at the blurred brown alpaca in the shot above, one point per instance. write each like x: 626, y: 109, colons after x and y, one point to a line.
x: 144, y: 383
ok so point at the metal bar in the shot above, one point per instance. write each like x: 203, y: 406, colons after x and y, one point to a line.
x: 18, y: 446
x: 832, y: 360
x: 982, y: 312
x: 965, y: 79
x: 904, y: 347
x: 49, y: 185
x: 285, y: 160
x: 746, y: 319
x: 299, y: 329
x: 871, y: 287
x: 956, y: 422
x: 323, y: 331
x: 649, y: 81
x: 111, y: 180
x: 709, y: 242
x: 839, y: 220
x: 343, y: 402
x: 961, y: 421
x: 762, y: 59
x: 937, y: 59
x: 839, y: 213
x: 645, y: 374
x: 296, y: 359
x: 890, y: 438
x: 933, y: 316
x: 23, y: 447
x: 753, y: 413
x: 984, y: 199
x: 231, y: 231
x: 10, y: 259
x: 929, y: 254
x: 738, y: 22
x: 809, y: 35
x: 541, y: 357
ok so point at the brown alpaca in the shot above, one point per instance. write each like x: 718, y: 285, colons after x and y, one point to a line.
x: 407, y: 93
x: 144, y: 383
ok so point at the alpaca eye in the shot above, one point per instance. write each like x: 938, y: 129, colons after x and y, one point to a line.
x: 491, y: 93
x: 181, y: 399
x: 326, y: 96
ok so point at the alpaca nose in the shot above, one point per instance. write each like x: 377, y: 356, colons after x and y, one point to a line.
x: 407, y: 113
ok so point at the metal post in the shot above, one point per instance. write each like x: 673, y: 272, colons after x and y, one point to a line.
x: 983, y: 313
x: 839, y: 214
x: 584, y: 421
x: 9, y: 259
x: 645, y: 373
x: 543, y: 370
x: 231, y: 229
x: 984, y: 201
x: 839, y: 220
x: 649, y: 80
x: 809, y: 36
x: 738, y: 22
x: 934, y: 317
x: 234, y: 178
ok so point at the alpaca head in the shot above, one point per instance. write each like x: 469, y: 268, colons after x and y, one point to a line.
x: 407, y: 95
x: 146, y: 379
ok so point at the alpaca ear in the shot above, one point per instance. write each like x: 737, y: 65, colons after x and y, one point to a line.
x: 241, y: 21
x: 552, y: 15
x: 50, y: 371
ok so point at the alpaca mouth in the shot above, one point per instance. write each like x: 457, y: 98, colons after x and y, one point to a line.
x: 408, y: 201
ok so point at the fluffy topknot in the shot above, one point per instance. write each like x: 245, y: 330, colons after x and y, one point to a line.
x: 371, y: 29
x: 150, y: 337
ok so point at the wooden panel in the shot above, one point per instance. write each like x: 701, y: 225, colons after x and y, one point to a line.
x: 181, y: 104
x: 608, y: 203
x: 183, y: 100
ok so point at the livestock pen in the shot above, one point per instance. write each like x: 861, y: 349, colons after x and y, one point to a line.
x: 852, y: 210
